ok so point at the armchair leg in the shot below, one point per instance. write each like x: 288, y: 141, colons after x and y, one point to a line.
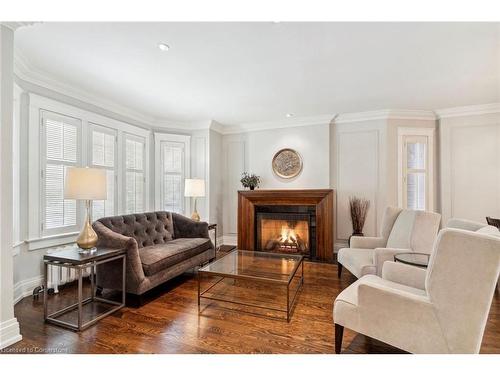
x: 339, y: 333
x: 339, y: 270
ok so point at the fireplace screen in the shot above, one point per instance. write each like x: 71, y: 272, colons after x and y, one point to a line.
x: 283, y: 234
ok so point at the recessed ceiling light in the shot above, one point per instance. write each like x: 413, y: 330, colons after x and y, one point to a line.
x: 289, y: 115
x: 163, y: 46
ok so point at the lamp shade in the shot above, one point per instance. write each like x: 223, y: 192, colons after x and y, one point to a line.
x: 85, y: 183
x: 194, y: 188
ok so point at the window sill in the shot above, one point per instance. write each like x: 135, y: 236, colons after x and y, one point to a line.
x: 51, y: 241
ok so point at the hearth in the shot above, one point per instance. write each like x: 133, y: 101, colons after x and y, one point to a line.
x: 286, y: 229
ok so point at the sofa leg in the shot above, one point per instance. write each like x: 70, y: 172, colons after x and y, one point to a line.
x: 339, y: 333
x: 339, y: 270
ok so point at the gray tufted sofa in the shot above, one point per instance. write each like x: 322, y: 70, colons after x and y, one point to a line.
x: 160, y: 245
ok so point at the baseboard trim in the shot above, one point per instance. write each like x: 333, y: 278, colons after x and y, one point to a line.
x: 24, y: 288
x: 230, y: 239
x: 339, y: 245
x: 9, y: 333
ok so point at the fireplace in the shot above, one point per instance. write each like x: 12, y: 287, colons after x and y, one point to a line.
x: 287, y: 221
x: 286, y: 229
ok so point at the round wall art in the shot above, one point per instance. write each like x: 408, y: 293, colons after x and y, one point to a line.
x: 287, y: 163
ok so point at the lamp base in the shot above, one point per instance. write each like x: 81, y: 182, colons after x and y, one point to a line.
x: 87, y: 239
x: 195, y: 216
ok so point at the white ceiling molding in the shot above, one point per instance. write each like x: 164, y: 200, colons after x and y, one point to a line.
x: 385, y: 114
x: 470, y: 110
x: 26, y: 72
x: 287, y: 123
x: 16, y: 25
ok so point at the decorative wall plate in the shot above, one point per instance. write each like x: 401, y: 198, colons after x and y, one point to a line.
x: 287, y: 163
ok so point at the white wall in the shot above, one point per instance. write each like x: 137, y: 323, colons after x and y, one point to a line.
x: 470, y: 166
x: 253, y: 152
x: 358, y: 168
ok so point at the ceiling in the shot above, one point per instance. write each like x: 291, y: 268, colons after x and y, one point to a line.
x: 250, y: 72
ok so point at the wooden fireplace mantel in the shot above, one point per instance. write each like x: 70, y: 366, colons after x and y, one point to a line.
x: 322, y: 199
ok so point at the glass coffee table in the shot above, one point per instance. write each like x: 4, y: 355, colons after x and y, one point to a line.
x: 272, y: 277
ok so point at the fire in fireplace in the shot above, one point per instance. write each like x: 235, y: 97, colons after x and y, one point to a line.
x: 286, y: 229
x: 285, y: 235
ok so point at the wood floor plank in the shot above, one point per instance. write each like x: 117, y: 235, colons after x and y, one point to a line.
x: 170, y: 323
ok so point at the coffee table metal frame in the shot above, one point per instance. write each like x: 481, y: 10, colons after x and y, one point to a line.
x: 287, y: 283
x: 80, y: 326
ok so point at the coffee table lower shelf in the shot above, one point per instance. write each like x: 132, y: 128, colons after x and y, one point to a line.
x: 289, y: 301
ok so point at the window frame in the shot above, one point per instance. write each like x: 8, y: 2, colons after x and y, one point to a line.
x: 44, y: 231
x: 405, y: 136
x: 185, y: 140
x: 34, y: 238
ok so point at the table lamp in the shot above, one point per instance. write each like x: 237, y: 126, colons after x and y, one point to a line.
x: 194, y: 188
x: 86, y: 184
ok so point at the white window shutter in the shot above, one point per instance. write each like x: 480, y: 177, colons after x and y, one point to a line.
x: 173, y: 155
x: 134, y: 175
x: 103, y: 152
x: 61, y: 146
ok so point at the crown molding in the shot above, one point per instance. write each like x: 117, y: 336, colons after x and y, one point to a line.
x: 470, y: 110
x: 16, y: 25
x: 386, y: 114
x: 279, y: 124
x: 26, y: 72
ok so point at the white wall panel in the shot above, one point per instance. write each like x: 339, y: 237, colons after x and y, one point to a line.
x: 470, y: 165
x: 358, y: 174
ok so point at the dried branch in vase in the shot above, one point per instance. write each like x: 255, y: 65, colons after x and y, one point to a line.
x: 359, y: 210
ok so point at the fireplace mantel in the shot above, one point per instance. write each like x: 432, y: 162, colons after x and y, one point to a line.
x: 322, y: 199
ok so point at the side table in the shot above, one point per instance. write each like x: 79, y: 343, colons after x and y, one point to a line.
x: 413, y: 259
x: 213, y: 227
x: 72, y: 258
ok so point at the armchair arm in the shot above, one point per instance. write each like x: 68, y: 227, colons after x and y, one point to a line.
x: 187, y: 228
x: 382, y: 255
x: 367, y: 242
x: 404, y: 274
x: 108, y: 238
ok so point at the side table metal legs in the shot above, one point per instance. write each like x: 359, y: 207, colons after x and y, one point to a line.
x: 80, y: 325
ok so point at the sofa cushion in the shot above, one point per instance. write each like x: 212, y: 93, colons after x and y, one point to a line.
x: 162, y: 256
x: 148, y: 229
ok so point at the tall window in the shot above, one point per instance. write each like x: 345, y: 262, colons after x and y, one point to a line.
x: 172, y: 160
x: 60, y: 150
x: 135, y: 180
x: 416, y: 183
x: 103, y: 155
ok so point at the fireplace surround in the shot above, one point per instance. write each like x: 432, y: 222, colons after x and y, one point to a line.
x: 291, y: 211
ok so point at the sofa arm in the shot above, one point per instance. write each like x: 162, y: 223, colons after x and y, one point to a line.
x: 186, y: 228
x: 381, y: 255
x: 108, y: 238
x: 358, y: 242
x: 404, y: 274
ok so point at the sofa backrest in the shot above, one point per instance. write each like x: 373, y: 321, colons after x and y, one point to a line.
x: 148, y: 229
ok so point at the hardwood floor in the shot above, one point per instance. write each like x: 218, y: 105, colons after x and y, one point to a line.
x: 169, y: 323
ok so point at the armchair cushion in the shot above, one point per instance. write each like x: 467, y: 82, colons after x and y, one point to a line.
x: 382, y: 255
x: 404, y: 274
x: 357, y: 261
x: 158, y: 257
x: 367, y: 242
x: 400, y: 236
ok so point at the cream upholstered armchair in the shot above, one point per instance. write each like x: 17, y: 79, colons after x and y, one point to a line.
x: 402, y: 231
x: 443, y: 309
